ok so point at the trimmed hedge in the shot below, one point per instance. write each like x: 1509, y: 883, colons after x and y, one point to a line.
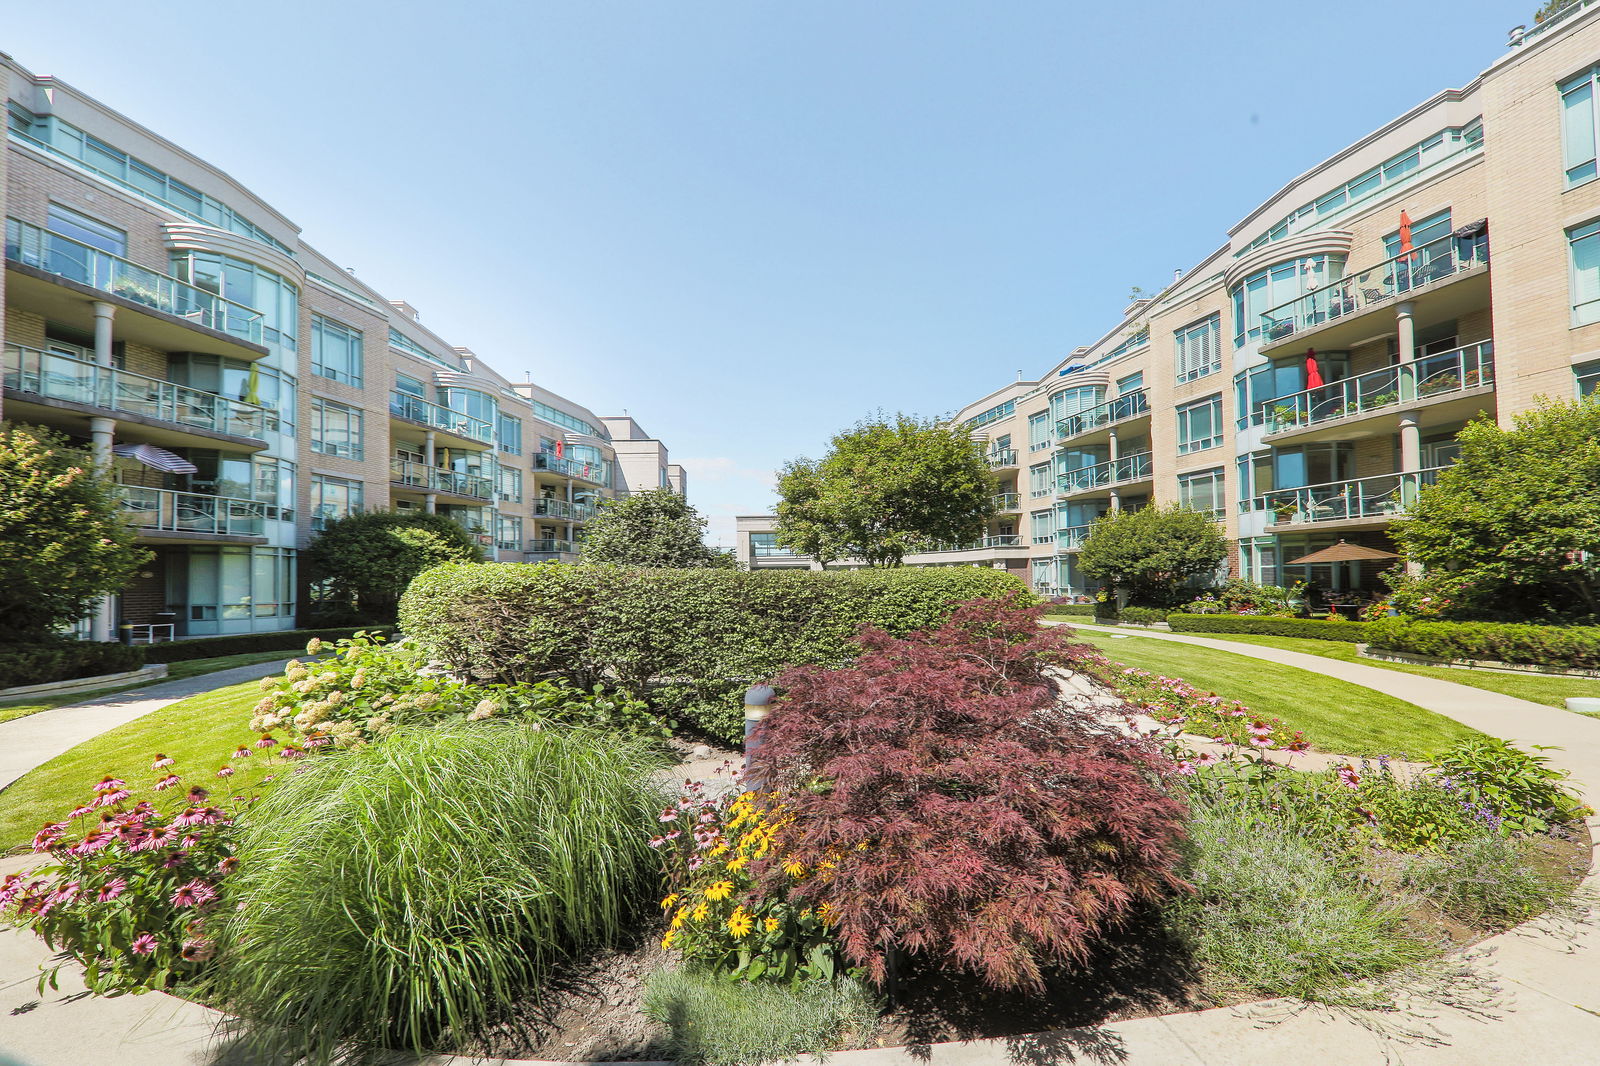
x: 1070, y: 610
x: 1269, y: 626
x: 177, y: 651
x: 67, y: 660
x: 1142, y: 615
x: 703, y: 634
x: 1573, y: 647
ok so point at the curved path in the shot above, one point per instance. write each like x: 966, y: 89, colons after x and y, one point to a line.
x: 1546, y: 1009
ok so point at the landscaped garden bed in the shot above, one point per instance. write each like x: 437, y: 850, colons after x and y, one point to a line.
x: 416, y: 848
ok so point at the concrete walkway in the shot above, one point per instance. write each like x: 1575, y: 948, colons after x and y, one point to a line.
x: 1544, y: 984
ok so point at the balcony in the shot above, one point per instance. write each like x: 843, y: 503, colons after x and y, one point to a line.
x: 983, y: 550
x: 52, y: 275
x: 193, y: 517
x: 1007, y: 502
x: 1123, y: 471
x: 1002, y: 457
x: 577, y: 512
x: 420, y: 477
x: 1333, y: 410
x: 1069, y: 538
x: 597, y: 473
x: 1123, y: 408
x: 1367, y: 501
x: 1337, y: 315
x: 181, y: 416
x: 423, y: 415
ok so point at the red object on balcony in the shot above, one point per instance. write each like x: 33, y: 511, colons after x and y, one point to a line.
x: 1313, y: 372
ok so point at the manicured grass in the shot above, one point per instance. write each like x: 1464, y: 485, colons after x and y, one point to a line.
x: 1551, y: 691
x: 1336, y: 716
x: 175, y: 672
x: 199, y: 732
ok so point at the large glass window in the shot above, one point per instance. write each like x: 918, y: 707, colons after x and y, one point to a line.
x: 1277, y: 285
x: 479, y: 405
x: 508, y: 434
x: 1312, y: 464
x: 1203, y: 491
x: 1588, y: 378
x: 236, y: 379
x: 508, y: 483
x: 1041, y: 431
x: 86, y: 230
x: 1132, y: 383
x: 1578, y: 128
x: 1041, y: 481
x: 243, y: 282
x: 230, y: 590
x: 335, y: 429
x: 334, y: 497
x: 508, y: 532
x: 1199, y: 348
x: 993, y: 414
x: 336, y: 350
x: 1070, y: 401
x: 1585, y: 272
x: 1200, y: 425
x: 1042, y: 525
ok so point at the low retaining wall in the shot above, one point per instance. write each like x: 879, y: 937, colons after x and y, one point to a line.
x: 152, y: 672
x: 1384, y: 654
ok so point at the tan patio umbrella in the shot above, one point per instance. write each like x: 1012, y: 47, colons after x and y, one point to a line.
x: 1344, y: 552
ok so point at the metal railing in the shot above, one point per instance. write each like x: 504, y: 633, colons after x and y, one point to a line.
x: 1367, y: 497
x: 1002, y: 457
x: 1114, y: 472
x: 1549, y: 23
x: 1007, y: 501
x: 64, y: 257
x: 1006, y: 540
x: 584, y: 470
x: 151, y: 632
x: 1117, y: 409
x: 437, y: 416
x: 1361, y: 290
x: 550, y: 546
x: 1441, y: 374
x: 1072, y: 536
x: 425, y: 478
x: 193, y: 512
x: 58, y: 376
x: 579, y: 512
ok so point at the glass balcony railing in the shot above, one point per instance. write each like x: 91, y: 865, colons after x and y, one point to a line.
x: 578, y: 512
x: 549, y: 546
x: 436, y: 416
x: 1002, y: 457
x: 66, y: 258
x: 57, y: 376
x: 1440, y: 375
x: 1119, y: 409
x: 1382, y: 496
x: 583, y: 469
x: 1103, y: 475
x: 1003, y: 540
x: 424, y: 478
x: 1072, y: 536
x: 192, y: 512
x: 1361, y: 290
x: 1007, y: 501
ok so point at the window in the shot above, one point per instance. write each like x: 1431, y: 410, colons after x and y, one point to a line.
x: 1040, y: 481
x: 471, y: 402
x: 1132, y: 383
x: 764, y: 544
x: 1588, y: 376
x: 410, y: 347
x: 561, y: 418
x: 85, y: 230
x: 335, y: 429
x: 1042, y: 524
x: 1200, y: 425
x: 410, y: 386
x: 334, y: 497
x: 1071, y: 401
x: 508, y: 532
x: 1040, y: 433
x: 1277, y: 285
x: 1202, y: 491
x: 1585, y: 270
x: 508, y: 484
x: 509, y: 434
x: 993, y: 414
x: 1423, y: 231
x: 1578, y: 128
x: 335, y: 350
x: 1199, y: 348
x: 243, y: 282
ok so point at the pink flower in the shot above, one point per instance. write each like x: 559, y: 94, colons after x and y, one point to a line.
x: 266, y: 741
x: 112, y: 889
x: 79, y: 812
x: 162, y: 762
x: 226, y: 771
x: 170, y: 781
x: 198, y: 950
x: 1208, y: 758
x: 143, y: 944
x: 197, y: 794
x: 1260, y: 728
x: 1185, y: 767
x: 109, y: 784
x: 1261, y: 742
x: 669, y: 815
x: 228, y: 865
x: 185, y: 896
x: 47, y: 836
x: 292, y: 752
x: 1348, y: 775
x: 175, y: 860
x: 115, y: 796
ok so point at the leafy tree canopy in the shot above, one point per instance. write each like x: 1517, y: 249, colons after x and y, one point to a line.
x: 369, y: 559
x: 1151, y: 554
x: 1513, y: 528
x: 656, y: 528
x: 63, y: 542
x: 886, y: 487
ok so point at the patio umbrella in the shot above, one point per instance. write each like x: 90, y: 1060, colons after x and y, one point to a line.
x: 1313, y: 372
x: 1405, y: 233
x: 155, y: 458
x: 1344, y: 552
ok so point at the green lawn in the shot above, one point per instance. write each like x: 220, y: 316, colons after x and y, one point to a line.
x: 175, y: 672
x: 1336, y: 716
x: 199, y: 732
x: 1551, y: 691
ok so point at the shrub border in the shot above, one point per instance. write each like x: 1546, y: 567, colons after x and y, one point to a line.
x: 148, y: 672
x: 1268, y: 626
x: 1367, y: 651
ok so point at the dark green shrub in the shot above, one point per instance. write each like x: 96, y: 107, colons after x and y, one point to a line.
x: 1308, y: 628
x: 65, y: 660
x: 1069, y: 610
x: 1511, y: 789
x: 178, y: 651
x: 1143, y: 616
x: 1570, y: 647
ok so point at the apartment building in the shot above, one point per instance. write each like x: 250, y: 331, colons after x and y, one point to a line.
x: 1307, y: 378
x: 246, y: 389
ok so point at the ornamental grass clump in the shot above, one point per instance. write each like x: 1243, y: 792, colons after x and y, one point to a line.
x: 405, y: 894
x: 956, y: 809
x: 716, y: 1022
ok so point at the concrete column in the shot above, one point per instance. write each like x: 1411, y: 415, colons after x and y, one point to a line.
x: 101, y: 433
x: 428, y: 448
x: 1406, y: 345
x: 103, y: 314
x: 1111, y: 447
x: 430, y: 502
x: 1410, y: 444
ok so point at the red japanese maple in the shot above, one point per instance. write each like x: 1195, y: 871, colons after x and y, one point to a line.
x: 953, y: 807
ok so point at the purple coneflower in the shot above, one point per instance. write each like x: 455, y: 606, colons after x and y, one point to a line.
x: 225, y: 771
x: 143, y: 944
x: 109, y: 784
x: 242, y: 752
x: 162, y: 762
x: 197, y: 794
x: 267, y: 741
x: 112, y: 889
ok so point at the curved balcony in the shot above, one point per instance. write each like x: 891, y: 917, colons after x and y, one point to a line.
x: 1449, y: 381
x: 1003, y: 457
x: 197, y: 518
x: 409, y: 411
x: 1124, y: 471
x: 596, y: 473
x: 174, y: 414
x: 420, y: 477
x: 1125, y: 408
x: 1367, y: 501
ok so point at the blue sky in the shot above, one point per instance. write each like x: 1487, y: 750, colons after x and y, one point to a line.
x: 749, y: 223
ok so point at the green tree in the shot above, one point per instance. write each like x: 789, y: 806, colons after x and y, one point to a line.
x: 1513, y: 528
x: 656, y: 528
x: 886, y: 487
x: 63, y: 542
x: 1151, y: 554
x: 365, y: 561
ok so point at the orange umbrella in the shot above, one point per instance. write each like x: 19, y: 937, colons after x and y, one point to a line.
x: 1405, y: 233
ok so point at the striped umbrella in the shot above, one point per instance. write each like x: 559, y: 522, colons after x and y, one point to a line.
x: 157, y: 458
